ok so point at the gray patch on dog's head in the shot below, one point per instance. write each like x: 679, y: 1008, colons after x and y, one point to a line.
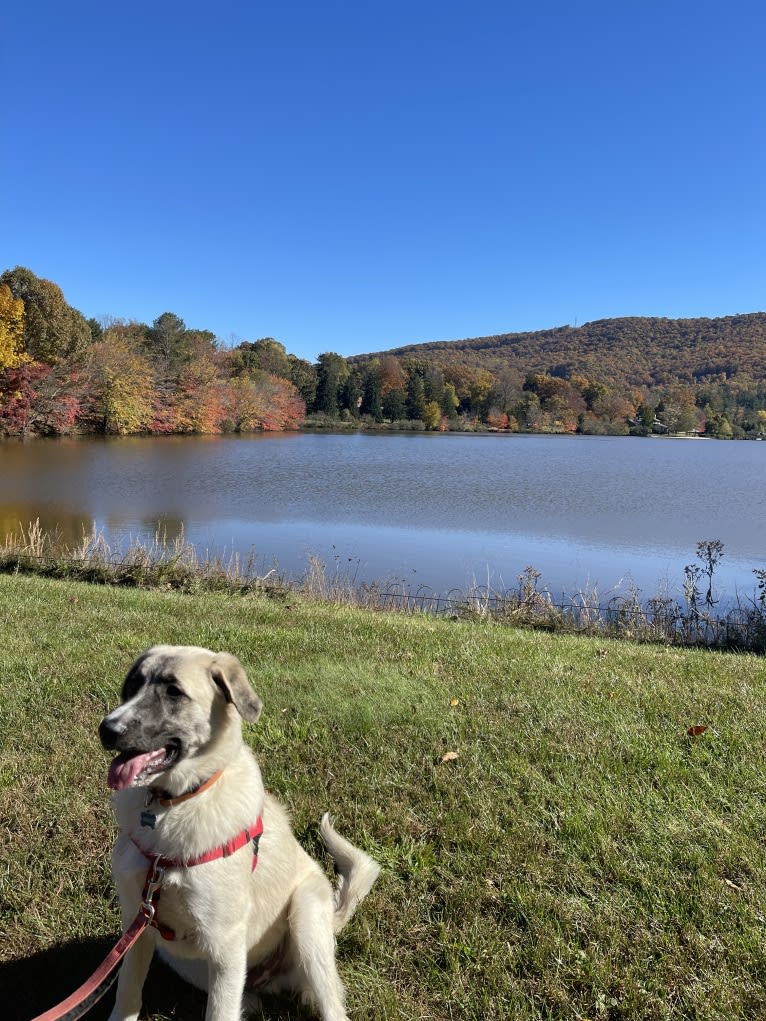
x: 135, y: 679
x: 229, y: 675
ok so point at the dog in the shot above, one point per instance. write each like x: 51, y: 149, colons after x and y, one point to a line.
x: 242, y: 907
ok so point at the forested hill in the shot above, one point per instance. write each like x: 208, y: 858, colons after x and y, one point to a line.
x: 629, y: 352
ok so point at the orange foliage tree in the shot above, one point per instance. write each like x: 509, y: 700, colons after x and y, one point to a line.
x: 267, y: 403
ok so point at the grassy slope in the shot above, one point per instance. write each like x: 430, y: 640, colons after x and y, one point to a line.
x: 583, y: 857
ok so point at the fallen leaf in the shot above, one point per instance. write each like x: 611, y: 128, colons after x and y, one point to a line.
x: 731, y: 885
x: 696, y: 731
x: 449, y: 756
x: 454, y: 701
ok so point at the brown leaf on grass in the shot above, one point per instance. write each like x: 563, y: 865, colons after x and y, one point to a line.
x: 449, y: 756
x: 696, y: 731
x: 732, y: 885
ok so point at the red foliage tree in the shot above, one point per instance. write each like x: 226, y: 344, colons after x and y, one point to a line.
x: 39, y: 398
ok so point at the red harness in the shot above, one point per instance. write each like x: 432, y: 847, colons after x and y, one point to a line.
x: 156, y: 873
x: 247, y: 835
x: 90, y: 992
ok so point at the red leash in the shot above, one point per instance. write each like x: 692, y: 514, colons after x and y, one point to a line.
x: 90, y: 992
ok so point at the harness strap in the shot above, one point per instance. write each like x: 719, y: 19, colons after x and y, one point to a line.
x: 250, y: 834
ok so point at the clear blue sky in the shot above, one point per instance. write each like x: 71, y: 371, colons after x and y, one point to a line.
x: 351, y: 177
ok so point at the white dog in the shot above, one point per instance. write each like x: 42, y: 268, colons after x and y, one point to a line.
x: 189, y: 793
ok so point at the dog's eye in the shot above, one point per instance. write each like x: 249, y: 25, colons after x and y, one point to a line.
x: 174, y: 691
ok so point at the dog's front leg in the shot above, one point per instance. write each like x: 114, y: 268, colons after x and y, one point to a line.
x: 131, y: 981
x: 227, y: 972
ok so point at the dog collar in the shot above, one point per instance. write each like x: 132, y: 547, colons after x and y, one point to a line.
x: 166, y: 800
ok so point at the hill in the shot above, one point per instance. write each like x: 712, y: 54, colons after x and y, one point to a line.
x: 633, y: 351
x: 635, y: 374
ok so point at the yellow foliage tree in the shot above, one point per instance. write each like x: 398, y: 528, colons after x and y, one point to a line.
x: 11, y: 330
x: 432, y: 415
x: 119, y: 385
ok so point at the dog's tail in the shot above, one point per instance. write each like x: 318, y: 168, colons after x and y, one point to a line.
x: 356, y: 872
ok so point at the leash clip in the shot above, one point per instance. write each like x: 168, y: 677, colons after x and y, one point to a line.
x: 153, y: 884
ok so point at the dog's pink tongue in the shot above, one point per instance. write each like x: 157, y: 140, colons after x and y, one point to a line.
x: 123, y: 771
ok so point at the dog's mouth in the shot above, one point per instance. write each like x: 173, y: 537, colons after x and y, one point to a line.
x: 131, y: 768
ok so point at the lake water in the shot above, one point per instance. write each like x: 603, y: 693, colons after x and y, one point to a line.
x: 442, y: 511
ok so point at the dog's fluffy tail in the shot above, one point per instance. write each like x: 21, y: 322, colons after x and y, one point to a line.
x: 356, y: 872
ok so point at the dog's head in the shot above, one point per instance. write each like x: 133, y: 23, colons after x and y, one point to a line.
x: 178, y: 702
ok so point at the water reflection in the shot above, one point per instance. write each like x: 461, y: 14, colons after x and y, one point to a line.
x: 66, y: 527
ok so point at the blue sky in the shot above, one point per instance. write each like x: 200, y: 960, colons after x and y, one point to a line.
x: 351, y: 177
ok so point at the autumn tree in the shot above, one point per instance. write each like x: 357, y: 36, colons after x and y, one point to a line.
x: 497, y: 419
x: 265, y: 355
x: 266, y: 403
x: 54, y: 332
x: 198, y: 402
x: 39, y: 398
x: 432, y: 415
x: 677, y: 409
x: 11, y: 329
x: 120, y: 395
x: 392, y: 375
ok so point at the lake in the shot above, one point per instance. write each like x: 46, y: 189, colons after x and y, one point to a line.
x: 441, y: 511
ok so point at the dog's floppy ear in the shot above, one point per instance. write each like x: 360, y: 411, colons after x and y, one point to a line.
x: 229, y: 675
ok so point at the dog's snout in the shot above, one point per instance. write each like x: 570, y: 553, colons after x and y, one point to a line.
x: 109, y: 730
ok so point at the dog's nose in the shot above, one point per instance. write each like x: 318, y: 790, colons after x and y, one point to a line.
x: 109, y: 732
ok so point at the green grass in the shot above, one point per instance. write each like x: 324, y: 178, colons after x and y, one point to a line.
x: 582, y: 857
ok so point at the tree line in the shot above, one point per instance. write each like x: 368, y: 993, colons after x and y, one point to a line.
x: 61, y: 373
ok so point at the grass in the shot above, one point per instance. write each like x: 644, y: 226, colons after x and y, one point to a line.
x: 583, y: 856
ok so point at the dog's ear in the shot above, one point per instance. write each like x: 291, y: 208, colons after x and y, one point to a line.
x: 229, y: 675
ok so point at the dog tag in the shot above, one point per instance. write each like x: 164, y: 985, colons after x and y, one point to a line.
x: 148, y: 819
